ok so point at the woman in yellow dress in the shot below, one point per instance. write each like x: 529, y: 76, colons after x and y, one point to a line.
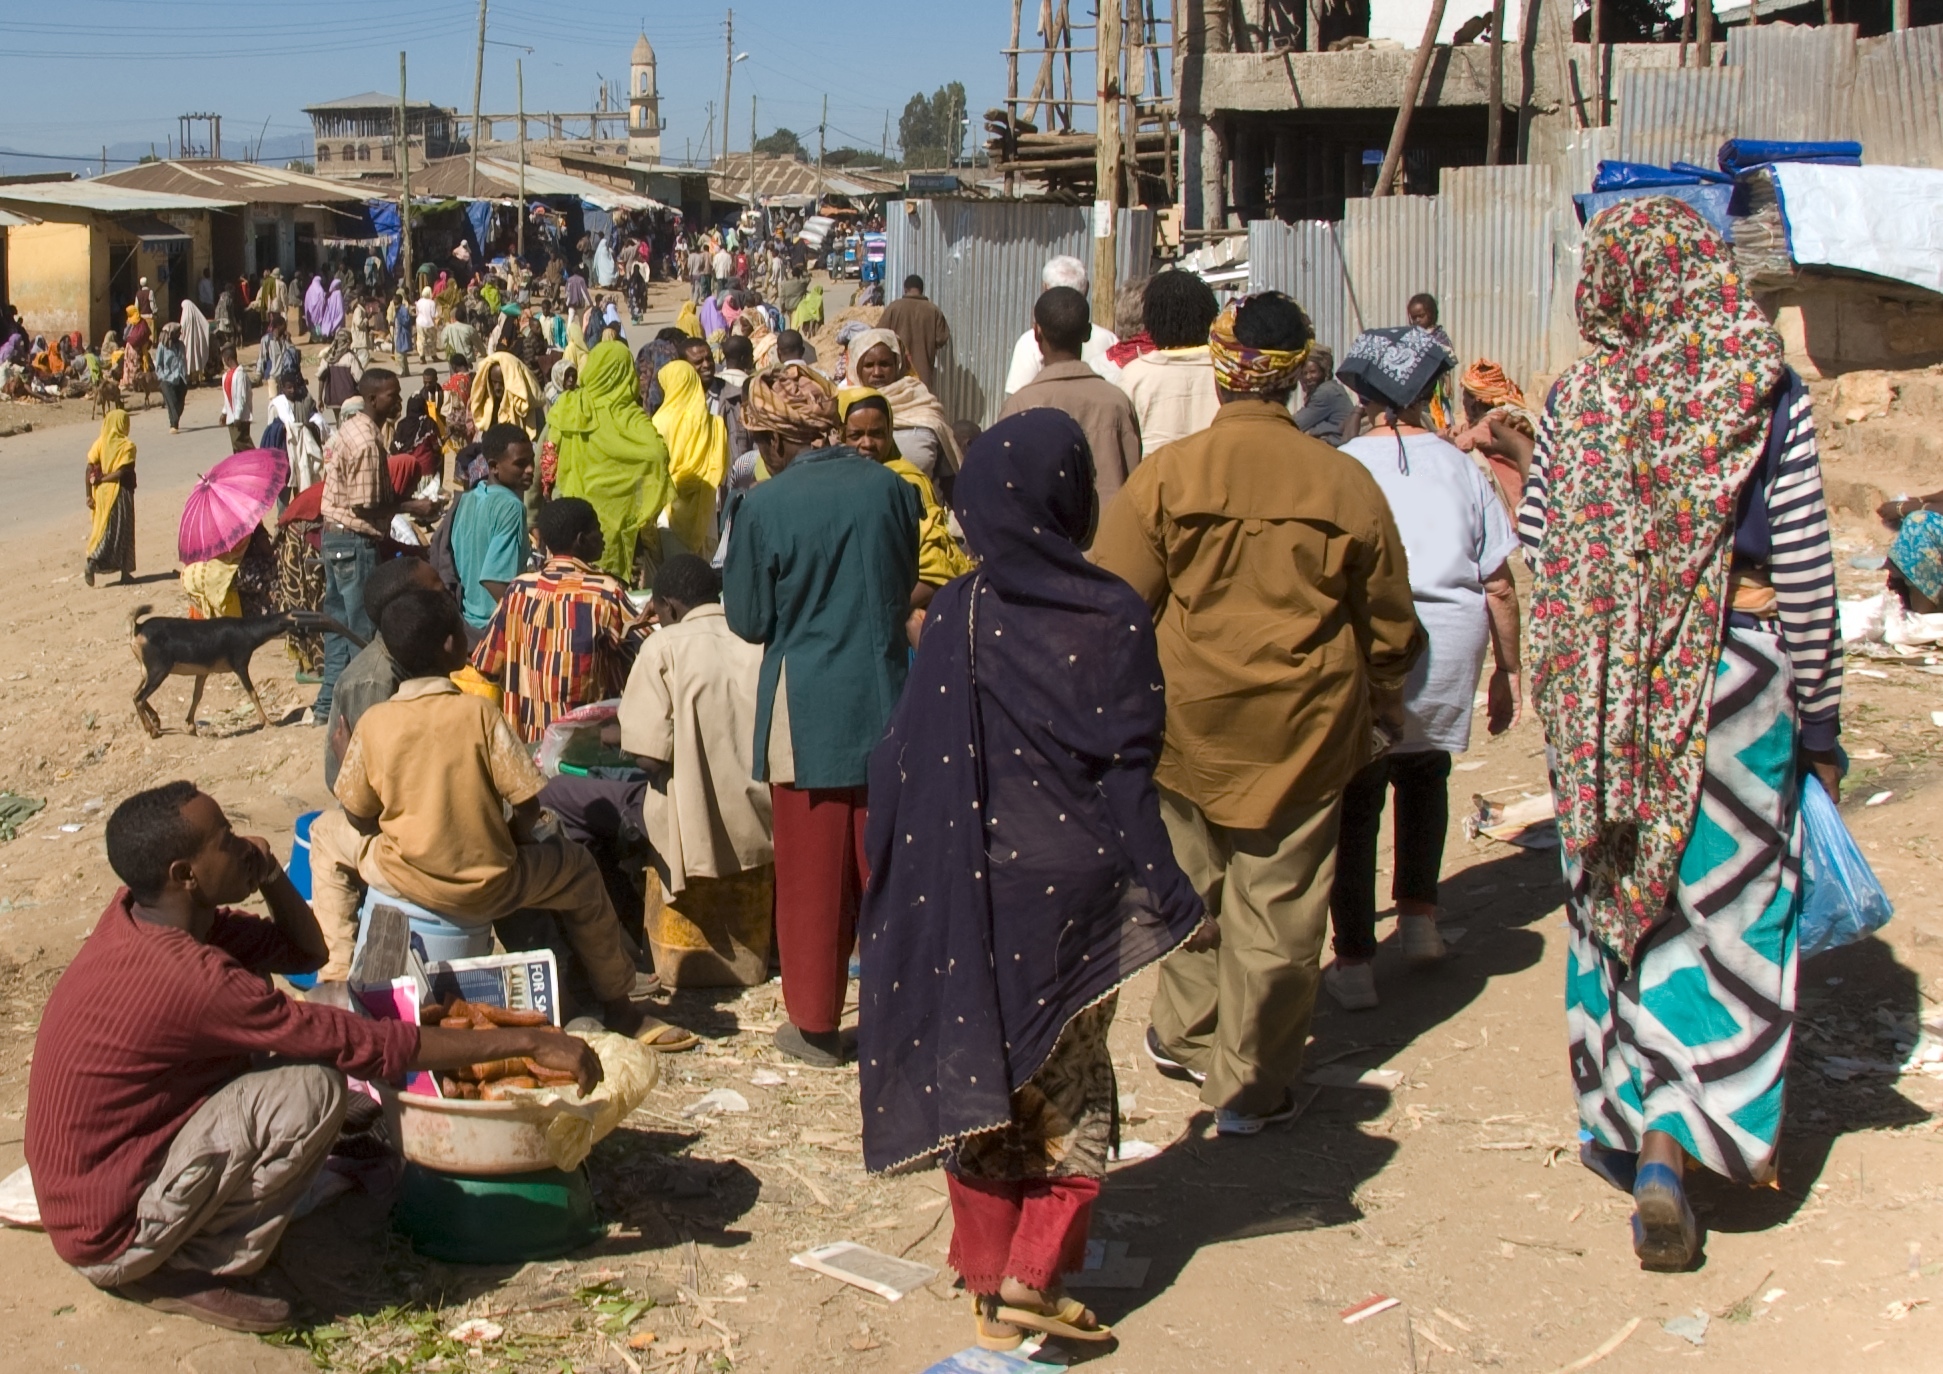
x: 698, y: 457
x: 111, y: 496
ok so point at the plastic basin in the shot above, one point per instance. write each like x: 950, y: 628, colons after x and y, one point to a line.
x: 459, y: 1137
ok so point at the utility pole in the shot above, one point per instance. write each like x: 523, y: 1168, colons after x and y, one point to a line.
x: 404, y: 181
x: 1597, y: 34
x: 1107, y: 174
x: 821, y: 126
x: 728, y: 76
x: 884, y: 153
x: 519, y: 80
x: 1703, y: 42
x: 1494, y: 111
x: 708, y: 138
x: 1412, y: 87
x: 752, y: 150
x: 478, y: 80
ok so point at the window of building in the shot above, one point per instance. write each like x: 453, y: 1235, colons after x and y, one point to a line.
x: 350, y: 153
x: 364, y: 152
x: 323, y: 152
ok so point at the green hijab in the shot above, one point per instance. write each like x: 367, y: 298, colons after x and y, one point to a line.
x: 611, y: 455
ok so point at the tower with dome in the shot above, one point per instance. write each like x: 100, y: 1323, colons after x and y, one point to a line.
x: 644, y: 106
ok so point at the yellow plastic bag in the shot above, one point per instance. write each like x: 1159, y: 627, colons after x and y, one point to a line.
x: 629, y: 1070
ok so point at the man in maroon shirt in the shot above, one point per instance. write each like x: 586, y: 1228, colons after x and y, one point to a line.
x: 164, y: 1163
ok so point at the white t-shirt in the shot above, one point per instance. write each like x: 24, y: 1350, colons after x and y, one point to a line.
x: 1456, y: 534
x: 1026, y: 361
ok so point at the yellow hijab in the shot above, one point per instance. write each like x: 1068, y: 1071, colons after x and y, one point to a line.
x: 689, y: 321
x: 698, y: 455
x: 113, y: 450
x: 939, y: 557
x: 520, y: 406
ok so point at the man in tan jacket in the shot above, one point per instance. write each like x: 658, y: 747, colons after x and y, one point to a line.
x: 1062, y: 321
x: 1282, y: 606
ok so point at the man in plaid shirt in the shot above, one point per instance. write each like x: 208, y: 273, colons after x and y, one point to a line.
x: 565, y: 636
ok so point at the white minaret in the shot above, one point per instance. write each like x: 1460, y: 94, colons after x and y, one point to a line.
x: 644, y: 106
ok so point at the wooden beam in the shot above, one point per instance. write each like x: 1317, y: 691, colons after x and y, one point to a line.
x: 1393, y: 158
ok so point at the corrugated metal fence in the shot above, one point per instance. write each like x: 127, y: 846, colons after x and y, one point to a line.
x: 1500, y: 247
x: 1898, y: 115
x: 981, y: 261
x: 1484, y: 248
x: 1305, y: 261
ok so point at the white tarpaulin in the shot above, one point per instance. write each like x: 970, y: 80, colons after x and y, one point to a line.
x: 1887, y: 221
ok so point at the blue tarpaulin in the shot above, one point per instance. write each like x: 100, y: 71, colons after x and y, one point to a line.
x: 1631, y: 176
x: 479, y: 215
x: 383, y: 218
x: 1738, y: 155
x: 1710, y: 200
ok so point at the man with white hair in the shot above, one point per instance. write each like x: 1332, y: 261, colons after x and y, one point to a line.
x: 1064, y: 270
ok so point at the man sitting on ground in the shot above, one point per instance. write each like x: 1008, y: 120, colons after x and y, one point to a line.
x: 166, y: 1166
x: 489, y: 543
x: 562, y: 637
x: 425, y: 787
x: 689, y: 712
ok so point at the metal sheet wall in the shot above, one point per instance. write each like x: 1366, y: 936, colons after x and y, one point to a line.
x: 1898, y: 111
x: 1304, y: 261
x: 1496, y: 264
x: 981, y: 261
x: 1390, y: 253
x: 1800, y: 81
x: 1674, y: 116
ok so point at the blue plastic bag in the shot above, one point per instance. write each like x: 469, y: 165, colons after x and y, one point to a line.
x: 1841, y: 901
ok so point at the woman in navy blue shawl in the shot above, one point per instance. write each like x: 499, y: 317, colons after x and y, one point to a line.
x: 1019, y: 874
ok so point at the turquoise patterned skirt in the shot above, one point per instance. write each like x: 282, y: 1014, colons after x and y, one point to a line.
x: 1693, y: 1039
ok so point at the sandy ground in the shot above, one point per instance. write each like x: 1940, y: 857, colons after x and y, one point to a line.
x: 1455, y: 1191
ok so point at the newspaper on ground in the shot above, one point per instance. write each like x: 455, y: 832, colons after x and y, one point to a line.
x: 865, y: 1268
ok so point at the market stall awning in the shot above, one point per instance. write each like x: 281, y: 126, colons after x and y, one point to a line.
x: 155, y: 233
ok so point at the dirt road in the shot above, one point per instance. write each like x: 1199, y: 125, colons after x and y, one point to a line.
x: 1453, y: 1189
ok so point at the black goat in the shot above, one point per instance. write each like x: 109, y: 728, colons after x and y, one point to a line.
x: 174, y: 646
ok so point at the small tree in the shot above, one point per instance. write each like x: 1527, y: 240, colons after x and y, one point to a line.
x: 931, y: 130
x: 782, y: 143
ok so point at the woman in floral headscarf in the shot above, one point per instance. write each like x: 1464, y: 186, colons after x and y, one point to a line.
x: 1686, y: 669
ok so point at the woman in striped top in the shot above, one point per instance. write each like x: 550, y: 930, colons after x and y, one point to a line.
x: 1687, y: 671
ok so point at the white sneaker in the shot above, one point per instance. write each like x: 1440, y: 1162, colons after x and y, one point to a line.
x: 1421, y: 942
x: 1352, y: 985
x: 1228, y: 1122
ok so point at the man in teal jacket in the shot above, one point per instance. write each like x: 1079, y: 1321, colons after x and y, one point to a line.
x: 821, y: 562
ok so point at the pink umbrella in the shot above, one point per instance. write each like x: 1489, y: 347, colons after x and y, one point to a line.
x: 229, y: 501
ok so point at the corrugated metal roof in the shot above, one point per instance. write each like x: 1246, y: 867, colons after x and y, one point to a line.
x: 1496, y: 264
x: 8, y: 219
x: 1390, y: 248
x: 1672, y: 116
x: 499, y: 180
x: 981, y: 263
x: 255, y: 183
x: 107, y: 197
x: 544, y: 183
x: 1800, y: 80
x: 1304, y: 261
x: 785, y: 176
x: 1898, y: 113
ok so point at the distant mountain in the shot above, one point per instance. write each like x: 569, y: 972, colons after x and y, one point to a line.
x: 277, y: 149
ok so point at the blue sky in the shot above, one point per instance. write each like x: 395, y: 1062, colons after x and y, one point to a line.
x: 89, y: 72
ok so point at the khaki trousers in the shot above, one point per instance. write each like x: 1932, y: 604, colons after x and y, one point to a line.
x: 553, y: 875
x: 1240, y: 1013
x: 233, y: 1176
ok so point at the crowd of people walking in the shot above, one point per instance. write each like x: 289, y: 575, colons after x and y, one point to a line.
x: 1004, y: 717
